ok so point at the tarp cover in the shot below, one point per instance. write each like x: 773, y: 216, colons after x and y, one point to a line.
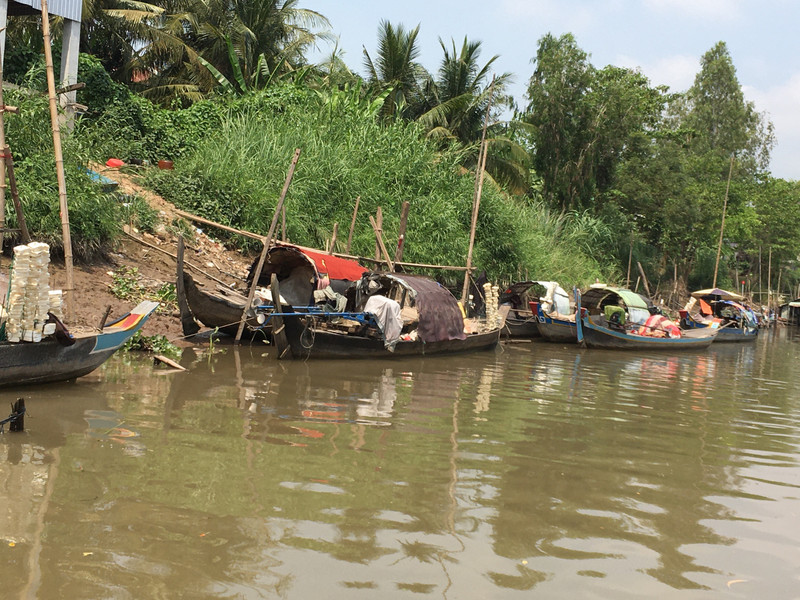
x: 387, y: 314
x: 440, y: 317
x: 282, y: 259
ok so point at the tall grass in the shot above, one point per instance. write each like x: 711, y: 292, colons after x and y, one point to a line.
x: 235, y: 175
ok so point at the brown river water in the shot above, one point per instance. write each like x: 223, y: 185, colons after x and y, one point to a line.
x: 534, y: 470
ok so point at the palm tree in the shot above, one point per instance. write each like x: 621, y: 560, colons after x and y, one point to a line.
x: 455, y: 110
x: 241, y: 44
x: 395, y: 68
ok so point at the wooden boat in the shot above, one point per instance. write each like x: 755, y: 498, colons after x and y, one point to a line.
x: 555, y: 316
x: 67, y: 357
x: 299, y: 270
x: 523, y: 320
x: 422, y: 318
x: 722, y: 309
x: 619, y: 319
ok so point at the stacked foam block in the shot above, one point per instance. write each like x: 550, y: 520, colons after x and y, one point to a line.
x: 30, y: 298
x: 491, y: 295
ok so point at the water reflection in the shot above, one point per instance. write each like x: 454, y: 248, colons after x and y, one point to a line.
x: 542, y: 467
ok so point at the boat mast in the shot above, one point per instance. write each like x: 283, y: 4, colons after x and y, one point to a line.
x: 62, y: 185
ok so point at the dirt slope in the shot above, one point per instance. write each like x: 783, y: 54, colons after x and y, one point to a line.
x: 153, y: 257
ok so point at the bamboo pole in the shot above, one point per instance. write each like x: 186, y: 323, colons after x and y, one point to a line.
x: 760, y: 297
x: 644, y: 279
x: 379, y: 242
x: 267, y: 242
x: 476, y: 200
x: 3, y: 160
x: 197, y: 219
x: 12, y: 183
x: 352, y: 225
x: 333, y: 237
x: 62, y: 184
x: 401, y: 236
x: 630, y: 258
x: 379, y: 222
x: 769, y: 280
x: 722, y: 227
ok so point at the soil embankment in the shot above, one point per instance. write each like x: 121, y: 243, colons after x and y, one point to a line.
x: 152, y: 255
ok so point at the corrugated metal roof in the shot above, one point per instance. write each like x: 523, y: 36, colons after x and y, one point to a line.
x: 69, y: 9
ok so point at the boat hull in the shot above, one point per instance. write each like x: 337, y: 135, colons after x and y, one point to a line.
x: 597, y: 336
x: 214, y: 310
x: 309, y: 342
x: 726, y: 334
x: 49, y: 361
x: 556, y: 330
x: 521, y: 326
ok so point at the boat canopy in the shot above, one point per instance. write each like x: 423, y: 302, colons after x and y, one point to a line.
x: 301, y: 270
x: 440, y: 316
x: 515, y: 292
x: 597, y: 298
x: 716, y: 294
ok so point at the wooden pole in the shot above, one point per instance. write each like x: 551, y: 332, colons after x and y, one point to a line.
x: 630, y: 258
x: 401, y: 236
x: 3, y: 160
x: 352, y: 225
x: 778, y: 287
x: 267, y: 242
x: 379, y: 220
x: 644, y: 279
x: 12, y: 183
x: 333, y: 237
x: 760, y: 297
x: 722, y: 227
x: 379, y: 242
x: 476, y: 200
x: 769, y: 280
x: 62, y: 184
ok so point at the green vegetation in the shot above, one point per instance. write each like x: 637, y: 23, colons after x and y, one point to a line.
x: 157, y: 344
x: 127, y: 284
x: 598, y: 171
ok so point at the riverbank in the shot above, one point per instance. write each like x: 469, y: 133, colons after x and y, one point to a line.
x: 150, y: 260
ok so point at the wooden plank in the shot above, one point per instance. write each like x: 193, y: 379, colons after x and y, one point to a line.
x: 159, y: 358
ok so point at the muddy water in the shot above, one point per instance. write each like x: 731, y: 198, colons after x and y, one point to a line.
x: 534, y: 469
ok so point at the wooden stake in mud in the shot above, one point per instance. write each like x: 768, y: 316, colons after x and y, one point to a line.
x: 62, y: 184
x: 12, y: 182
x: 644, y: 279
x: 401, y: 236
x: 267, y: 243
x: 476, y: 200
x: 352, y: 225
x: 3, y: 160
x: 333, y: 238
x: 381, y: 245
x: 379, y: 220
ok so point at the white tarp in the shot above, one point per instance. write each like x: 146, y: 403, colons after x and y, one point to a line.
x: 387, y: 314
